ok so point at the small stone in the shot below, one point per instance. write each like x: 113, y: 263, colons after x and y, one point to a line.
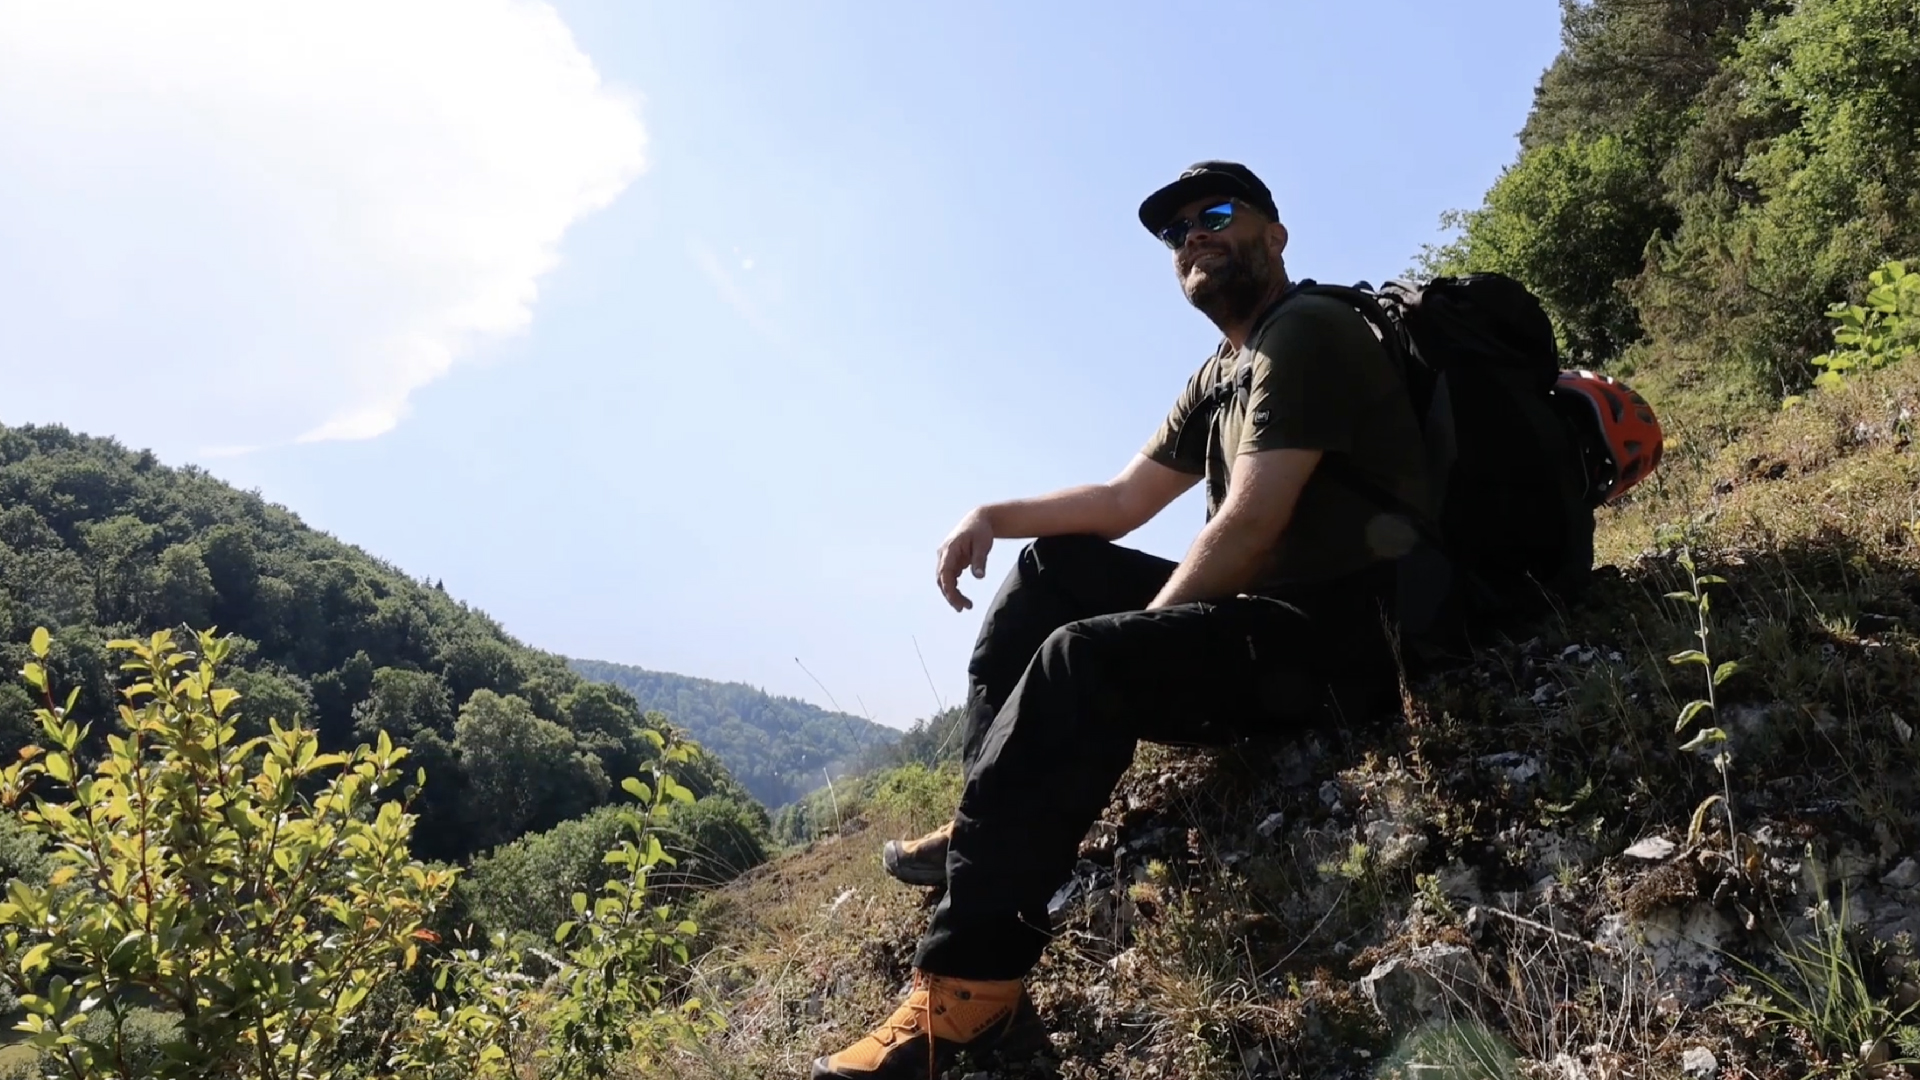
x: 1330, y: 794
x: 1425, y: 986
x: 1904, y: 876
x: 1699, y: 1062
x: 1653, y: 848
x: 1273, y: 824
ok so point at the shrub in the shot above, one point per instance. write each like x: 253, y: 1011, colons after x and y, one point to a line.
x: 716, y: 839
x: 258, y: 891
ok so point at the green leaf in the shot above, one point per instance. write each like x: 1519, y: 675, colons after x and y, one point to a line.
x: 42, y: 641
x: 560, y: 932
x: 632, y: 786
x: 1726, y: 671
x: 1712, y: 579
x: 1700, y: 818
x: 36, y: 677
x: 36, y: 959
x: 1687, y: 714
x: 1706, y: 737
x: 579, y: 903
x: 1690, y: 656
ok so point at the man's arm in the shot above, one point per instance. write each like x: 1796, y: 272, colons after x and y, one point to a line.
x: 1231, y: 550
x: 1110, y: 510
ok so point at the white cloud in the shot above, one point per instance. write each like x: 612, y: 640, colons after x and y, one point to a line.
x: 296, y: 213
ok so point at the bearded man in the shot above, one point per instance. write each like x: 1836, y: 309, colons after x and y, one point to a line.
x: 1282, y: 606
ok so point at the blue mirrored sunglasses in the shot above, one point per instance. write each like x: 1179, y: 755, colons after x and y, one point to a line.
x: 1212, y: 219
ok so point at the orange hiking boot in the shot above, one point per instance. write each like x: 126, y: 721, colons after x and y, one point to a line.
x: 919, y: 862
x: 941, y: 1018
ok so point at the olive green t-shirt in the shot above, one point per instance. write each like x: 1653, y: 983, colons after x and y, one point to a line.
x: 1317, y: 378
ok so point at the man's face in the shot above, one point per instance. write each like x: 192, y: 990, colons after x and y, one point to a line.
x: 1224, y: 273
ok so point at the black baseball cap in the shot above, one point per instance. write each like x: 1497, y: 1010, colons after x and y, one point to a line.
x: 1202, y: 179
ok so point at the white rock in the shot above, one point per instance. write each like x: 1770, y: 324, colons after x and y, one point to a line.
x: 1423, y: 987
x: 1653, y: 848
x: 1699, y: 1062
x: 1904, y: 876
x: 1271, y: 825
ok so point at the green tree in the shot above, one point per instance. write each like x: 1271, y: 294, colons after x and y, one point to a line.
x: 403, y: 703
x: 1800, y: 176
x: 523, y: 773
x: 184, y: 592
x: 716, y: 839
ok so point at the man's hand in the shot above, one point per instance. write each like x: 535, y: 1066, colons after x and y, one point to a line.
x: 966, y: 545
x: 1109, y: 511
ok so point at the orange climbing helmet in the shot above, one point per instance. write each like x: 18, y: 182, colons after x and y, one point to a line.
x: 1628, y: 440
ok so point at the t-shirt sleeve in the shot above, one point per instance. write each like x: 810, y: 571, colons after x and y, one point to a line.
x: 1180, y: 443
x: 1308, y: 380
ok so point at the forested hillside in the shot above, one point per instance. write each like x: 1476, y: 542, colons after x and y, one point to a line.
x: 1699, y: 179
x: 98, y: 541
x: 779, y: 748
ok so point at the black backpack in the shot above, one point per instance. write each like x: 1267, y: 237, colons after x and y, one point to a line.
x: 1515, y: 524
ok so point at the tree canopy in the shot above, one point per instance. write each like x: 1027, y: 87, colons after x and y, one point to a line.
x: 1700, y: 179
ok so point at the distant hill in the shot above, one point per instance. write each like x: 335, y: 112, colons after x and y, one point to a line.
x: 777, y: 747
x: 98, y: 541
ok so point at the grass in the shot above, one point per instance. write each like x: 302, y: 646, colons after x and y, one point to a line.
x: 1492, y: 814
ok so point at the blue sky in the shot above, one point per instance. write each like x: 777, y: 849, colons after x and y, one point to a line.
x: 691, y: 364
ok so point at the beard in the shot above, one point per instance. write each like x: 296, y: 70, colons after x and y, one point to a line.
x: 1231, y: 289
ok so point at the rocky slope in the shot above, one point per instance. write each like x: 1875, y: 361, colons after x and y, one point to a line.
x: 1524, y: 872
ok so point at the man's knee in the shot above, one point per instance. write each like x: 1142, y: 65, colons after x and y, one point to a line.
x: 1051, y: 556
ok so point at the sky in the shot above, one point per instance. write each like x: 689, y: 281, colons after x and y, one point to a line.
x: 679, y: 335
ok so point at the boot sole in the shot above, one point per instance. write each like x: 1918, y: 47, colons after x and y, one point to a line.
x: 911, y: 873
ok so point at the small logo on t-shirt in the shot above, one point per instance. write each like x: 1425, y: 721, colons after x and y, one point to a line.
x: 1262, y: 416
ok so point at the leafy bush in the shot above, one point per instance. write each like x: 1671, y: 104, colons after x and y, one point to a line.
x: 611, y: 1003
x: 523, y: 889
x: 717, y: 839
x: 258, y: 890
x: 916, y: 796
x: 1882, y: 329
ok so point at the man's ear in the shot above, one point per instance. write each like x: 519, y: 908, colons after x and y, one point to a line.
x: 1277, y: 239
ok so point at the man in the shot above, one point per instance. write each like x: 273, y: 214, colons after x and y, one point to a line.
x: 1088, y: 647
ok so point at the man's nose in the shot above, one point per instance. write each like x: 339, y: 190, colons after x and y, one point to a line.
x: 1197, y: 239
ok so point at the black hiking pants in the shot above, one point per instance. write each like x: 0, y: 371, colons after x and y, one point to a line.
x: 1069, y: 673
